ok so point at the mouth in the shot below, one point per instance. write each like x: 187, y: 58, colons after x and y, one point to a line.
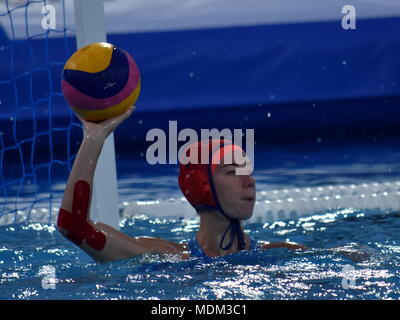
x: 249, y: 199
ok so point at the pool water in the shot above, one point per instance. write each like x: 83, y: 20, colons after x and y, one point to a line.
x: 36, y: 262
x: 368, y: 263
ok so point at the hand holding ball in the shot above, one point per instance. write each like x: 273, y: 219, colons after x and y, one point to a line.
x: 100, y: 81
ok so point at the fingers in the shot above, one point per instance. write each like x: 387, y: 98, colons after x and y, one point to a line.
x: 103, y: 129
x: 113, y: 123
x: 122, y: 117
x: 128, y: 112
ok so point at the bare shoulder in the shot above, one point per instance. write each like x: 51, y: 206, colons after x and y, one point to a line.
x: 286, y: 245
x: 160, y: 246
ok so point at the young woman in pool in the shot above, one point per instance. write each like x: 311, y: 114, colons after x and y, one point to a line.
x: 221, y: 197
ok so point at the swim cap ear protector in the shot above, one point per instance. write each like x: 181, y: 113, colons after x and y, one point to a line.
x: 197, y: 185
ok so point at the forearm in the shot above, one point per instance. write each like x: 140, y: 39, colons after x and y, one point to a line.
x: 287, y: 245
x: 83, y: 169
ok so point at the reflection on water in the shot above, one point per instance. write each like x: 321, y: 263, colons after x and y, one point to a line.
x: 353, y: 256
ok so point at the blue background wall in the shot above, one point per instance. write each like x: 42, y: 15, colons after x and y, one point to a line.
x: 287, y: 81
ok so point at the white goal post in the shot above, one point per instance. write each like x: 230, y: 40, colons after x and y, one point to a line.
x: 91, y: 28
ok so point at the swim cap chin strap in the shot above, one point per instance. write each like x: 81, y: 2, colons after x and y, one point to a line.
x: 236, y: 230
x: 234, y: 226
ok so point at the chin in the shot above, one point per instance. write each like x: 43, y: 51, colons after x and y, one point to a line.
x: 240, y: 211
x: 248, y: 216
x: 245, y: 214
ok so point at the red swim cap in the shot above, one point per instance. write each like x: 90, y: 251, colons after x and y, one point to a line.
x: 196, y: 167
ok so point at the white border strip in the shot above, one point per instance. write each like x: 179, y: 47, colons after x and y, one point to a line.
x: 127, y: 16
x: 271, y: 206
x: 286, y: 204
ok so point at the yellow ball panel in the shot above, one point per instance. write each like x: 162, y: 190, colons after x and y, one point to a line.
x: 103, y: 114
x: 92, y: 58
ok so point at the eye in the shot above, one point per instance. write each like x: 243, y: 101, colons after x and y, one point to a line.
x: 231, y: 172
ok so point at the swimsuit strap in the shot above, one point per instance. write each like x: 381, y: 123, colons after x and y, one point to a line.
x: 196, y: 250
x: 253, y: 243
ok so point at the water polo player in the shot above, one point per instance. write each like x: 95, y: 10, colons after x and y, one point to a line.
x: 221, y: 189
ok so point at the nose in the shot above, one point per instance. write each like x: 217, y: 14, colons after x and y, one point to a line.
x: 248, y: 181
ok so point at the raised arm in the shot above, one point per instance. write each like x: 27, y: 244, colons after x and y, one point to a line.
x: 102, y: 242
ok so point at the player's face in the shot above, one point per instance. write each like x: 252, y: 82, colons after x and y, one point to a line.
x: 235, y: 187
